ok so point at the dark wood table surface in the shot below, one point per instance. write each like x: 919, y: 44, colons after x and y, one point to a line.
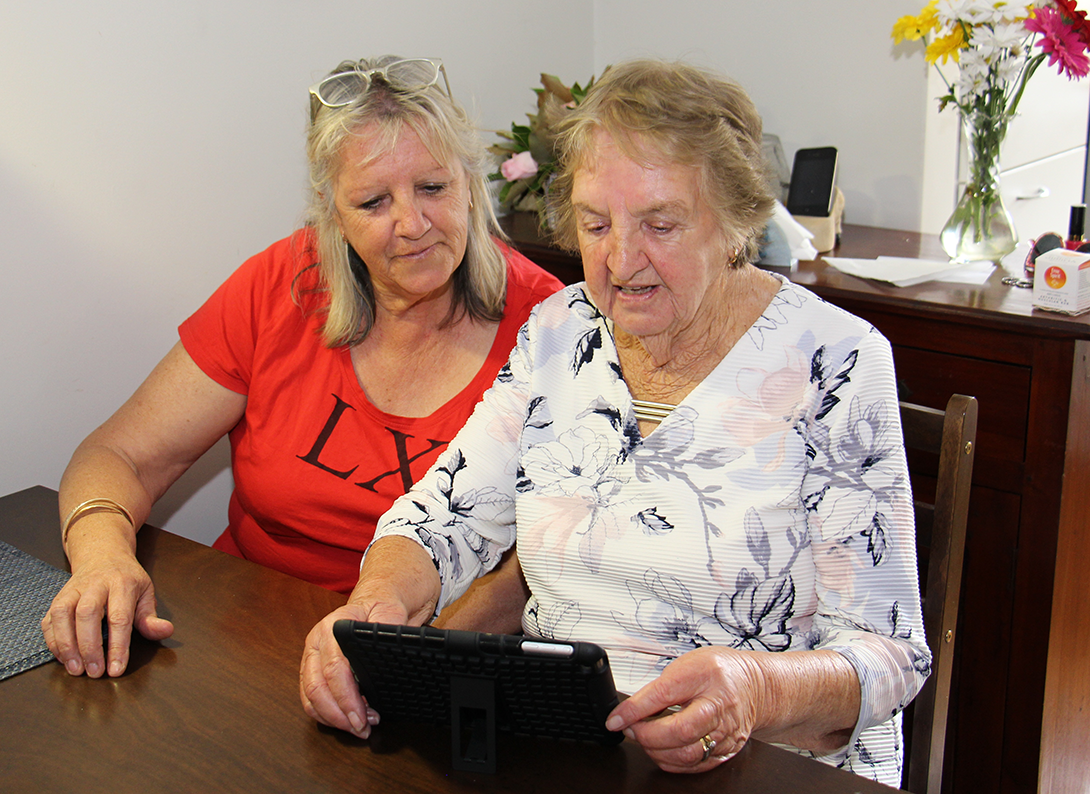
x: 216, y: 706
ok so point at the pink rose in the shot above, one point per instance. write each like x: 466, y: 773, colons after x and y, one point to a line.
x: 518, y: 166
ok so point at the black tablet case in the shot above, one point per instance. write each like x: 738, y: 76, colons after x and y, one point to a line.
x: 480, y: 683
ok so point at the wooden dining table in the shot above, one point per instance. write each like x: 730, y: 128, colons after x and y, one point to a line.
x: 216, y: 706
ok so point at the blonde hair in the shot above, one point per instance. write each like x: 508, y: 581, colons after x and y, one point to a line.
x: 674, y: 113
x: 480, y: 282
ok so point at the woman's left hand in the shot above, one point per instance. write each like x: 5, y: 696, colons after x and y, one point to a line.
x: 719, y: 692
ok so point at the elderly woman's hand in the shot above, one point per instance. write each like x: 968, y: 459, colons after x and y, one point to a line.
x: 708, y: 702
x: 719, y: 691
x: 398, y: 584
x: 327, y: 686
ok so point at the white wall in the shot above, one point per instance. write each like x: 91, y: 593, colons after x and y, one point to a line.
x: 147, y: 148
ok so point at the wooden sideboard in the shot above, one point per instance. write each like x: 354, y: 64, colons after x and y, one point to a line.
x: 1020, y: 713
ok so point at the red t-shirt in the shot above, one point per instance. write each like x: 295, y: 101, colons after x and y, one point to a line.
x: 314, y: 462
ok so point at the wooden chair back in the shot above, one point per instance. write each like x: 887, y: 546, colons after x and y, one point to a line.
x: 940, y: 543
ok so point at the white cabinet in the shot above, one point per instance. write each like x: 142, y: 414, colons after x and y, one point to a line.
x: 1051, y: 118
x: 1044, y: 156
x: 1039, y: 195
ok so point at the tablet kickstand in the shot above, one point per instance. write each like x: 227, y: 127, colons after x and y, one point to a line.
x: 473, y: 724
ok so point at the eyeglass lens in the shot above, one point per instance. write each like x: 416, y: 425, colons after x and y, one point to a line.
x: 341, y: 89
x: 412, y: 73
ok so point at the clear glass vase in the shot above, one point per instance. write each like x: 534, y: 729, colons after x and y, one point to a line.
x: 981, y: 228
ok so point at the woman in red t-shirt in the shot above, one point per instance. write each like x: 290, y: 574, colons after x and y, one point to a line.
x: 339, y: 362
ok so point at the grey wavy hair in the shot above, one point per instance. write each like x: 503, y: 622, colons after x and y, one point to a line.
x: 480, y: 281
x: 671, y: 112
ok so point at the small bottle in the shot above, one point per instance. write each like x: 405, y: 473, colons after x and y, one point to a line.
x: 1075, y: 227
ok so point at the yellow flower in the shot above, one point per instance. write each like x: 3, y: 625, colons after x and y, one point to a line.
x: 946, y: 47
x: 911, y: 28
x: 906, y: 28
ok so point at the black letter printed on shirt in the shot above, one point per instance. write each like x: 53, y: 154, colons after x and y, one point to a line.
x: 400, y: 446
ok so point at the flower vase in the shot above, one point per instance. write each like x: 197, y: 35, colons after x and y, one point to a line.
x: 981, y: 228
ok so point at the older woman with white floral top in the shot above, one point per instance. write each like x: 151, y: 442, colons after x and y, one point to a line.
x: 700, y: 461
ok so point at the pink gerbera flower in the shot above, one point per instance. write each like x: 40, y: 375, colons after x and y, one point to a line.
x: 1064, y: 46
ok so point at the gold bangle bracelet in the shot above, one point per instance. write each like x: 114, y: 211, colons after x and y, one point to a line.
x: 91, y: 506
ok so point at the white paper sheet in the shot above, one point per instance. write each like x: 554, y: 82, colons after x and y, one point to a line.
x: 975, y: 273
x: 905, y: 272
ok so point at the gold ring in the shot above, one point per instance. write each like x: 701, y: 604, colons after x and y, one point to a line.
x: 708, y: 743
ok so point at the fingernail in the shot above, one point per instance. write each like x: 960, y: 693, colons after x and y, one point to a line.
x: 94, y: 669
x: 354, y: 720
x: 116, y: 668
x: 614, y: 723
x: 631, y: 734
x: 372, y: 717
x: 72, y: 666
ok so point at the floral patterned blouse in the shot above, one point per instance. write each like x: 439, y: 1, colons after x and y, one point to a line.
x: 770, y: 511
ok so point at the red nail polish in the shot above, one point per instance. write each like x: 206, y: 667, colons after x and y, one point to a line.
x: 1075, y: 227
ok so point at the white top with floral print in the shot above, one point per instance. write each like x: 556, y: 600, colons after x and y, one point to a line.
x: 770, y: 511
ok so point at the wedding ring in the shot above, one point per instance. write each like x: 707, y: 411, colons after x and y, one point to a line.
x: 708, y: 743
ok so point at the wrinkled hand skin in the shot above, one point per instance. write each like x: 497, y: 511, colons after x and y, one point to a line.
x: 112, y: 586
x: 808, y: 699
x: 327, y: 687
x: 716, y: 690
x: 398, y: 584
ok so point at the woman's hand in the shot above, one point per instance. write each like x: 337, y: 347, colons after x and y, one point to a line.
x: 719, y: 692
x: 809, y: 699
x: 398, y: 584
x: 171, y: 420
x: 107, y: 581
x: 327, y: 686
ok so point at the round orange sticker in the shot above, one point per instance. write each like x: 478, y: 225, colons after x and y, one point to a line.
x: 1055, y: 277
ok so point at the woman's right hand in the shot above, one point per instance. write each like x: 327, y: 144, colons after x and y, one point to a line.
x: 107, y: 582
x: 398, y: 584
x: 327, y: 686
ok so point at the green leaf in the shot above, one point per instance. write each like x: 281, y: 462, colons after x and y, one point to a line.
x: 538, y: 149
x: 521, y: 136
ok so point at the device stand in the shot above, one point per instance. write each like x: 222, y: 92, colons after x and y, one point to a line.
x: 826, y: 231
x: 473, y: 724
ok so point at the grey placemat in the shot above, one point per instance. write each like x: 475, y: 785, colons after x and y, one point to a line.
x: 27, y: 586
